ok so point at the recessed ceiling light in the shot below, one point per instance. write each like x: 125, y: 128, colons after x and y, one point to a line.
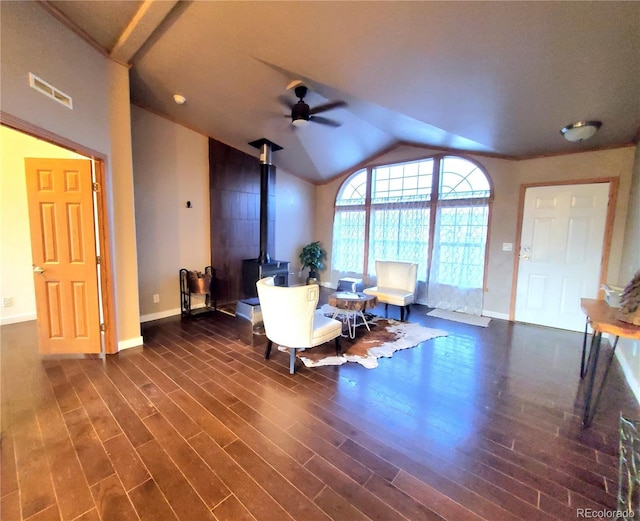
x: 581, y: 130
x: 179, y: 99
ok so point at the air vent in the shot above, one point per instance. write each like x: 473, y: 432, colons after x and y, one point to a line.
x: 49, y: 90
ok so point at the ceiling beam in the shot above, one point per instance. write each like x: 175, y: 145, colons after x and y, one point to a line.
x: 141, y: 26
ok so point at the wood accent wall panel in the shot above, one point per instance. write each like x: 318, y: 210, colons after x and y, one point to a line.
x: 234, y: 186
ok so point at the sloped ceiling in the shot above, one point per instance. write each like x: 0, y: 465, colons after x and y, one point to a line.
x: 494, y: 77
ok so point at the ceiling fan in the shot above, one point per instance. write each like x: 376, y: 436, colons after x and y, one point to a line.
x: 301, y: 113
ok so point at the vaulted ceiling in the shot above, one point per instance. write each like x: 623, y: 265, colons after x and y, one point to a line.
x: 494, y: 77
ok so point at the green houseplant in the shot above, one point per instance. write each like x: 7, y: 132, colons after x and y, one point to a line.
x: 311, y: 257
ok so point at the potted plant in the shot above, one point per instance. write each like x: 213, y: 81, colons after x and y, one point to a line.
x: 311, y: 257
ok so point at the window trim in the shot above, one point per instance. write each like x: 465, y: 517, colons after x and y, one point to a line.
x: 433, y: 202
x: 435, y: 183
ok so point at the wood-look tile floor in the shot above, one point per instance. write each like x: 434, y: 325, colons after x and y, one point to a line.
x: 481, y: 425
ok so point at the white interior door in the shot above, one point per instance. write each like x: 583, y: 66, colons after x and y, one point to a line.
x: 561, y: 248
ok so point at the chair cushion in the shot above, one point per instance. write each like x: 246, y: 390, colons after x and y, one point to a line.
x: 324, y: 329
x: 395, y: 297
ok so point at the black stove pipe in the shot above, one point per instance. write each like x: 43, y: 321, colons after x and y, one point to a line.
x: 265, y: 175
x: 266, y: 168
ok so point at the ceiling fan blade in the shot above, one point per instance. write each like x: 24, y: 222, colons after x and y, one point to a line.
x: 327, y: 106
x: 325, y: 121
x: 286, y: 102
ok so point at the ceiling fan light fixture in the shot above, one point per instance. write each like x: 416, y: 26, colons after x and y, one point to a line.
x: 300, y: 114
x: 581, y: 130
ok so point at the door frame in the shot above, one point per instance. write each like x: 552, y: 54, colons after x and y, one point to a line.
x: 608, y: 228
x: 106, y: 279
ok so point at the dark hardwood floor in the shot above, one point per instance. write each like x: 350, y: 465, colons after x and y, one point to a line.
x: 481, y: 425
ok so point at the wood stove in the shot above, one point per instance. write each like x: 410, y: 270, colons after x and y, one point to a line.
x: 255, y: 269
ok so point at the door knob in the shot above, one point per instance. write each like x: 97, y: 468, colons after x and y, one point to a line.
x: 38, y: 270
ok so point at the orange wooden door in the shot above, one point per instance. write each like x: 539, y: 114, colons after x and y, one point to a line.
x: 63, y: 245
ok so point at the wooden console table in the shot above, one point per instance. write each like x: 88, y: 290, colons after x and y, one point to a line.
x: 603, y: 319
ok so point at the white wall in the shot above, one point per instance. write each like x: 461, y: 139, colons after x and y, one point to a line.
x: 295, y: 209
x: 507, y: 176
x: 33, y: 41
x: 122, y: 216
x: 171, y: 167
x: 16, y: 271
x: 628, y: 351
x: 630, y: 262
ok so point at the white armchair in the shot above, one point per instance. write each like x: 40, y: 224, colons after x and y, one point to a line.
x: 291, y: 319
x: 396, y: 284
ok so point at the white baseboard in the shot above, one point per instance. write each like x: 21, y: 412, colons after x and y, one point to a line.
x: 495, y: 314
x: 626, y: 369
x: 4, y: 321
x: 628, y: 372
x: 161, y: 314
x: 167, y: 313
x: 129, y: 343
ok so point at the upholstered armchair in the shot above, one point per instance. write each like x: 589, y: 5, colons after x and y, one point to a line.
x: 396, y: 284
x: 291, y: 319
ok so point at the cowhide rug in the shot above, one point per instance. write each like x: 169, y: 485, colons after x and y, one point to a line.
x: 386, y: 337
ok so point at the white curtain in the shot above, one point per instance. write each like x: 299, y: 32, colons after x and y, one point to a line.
x: 457, y: 266
x: 347, y: 255
x: 400, y: 233
x: 396, y: 232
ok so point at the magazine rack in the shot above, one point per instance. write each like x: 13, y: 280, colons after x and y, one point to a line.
x: 198, y: 283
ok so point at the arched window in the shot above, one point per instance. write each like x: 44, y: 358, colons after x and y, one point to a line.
x: 349, y: 225
x: 355, y: 190
x: 433, y: 212
x: 462, y: 179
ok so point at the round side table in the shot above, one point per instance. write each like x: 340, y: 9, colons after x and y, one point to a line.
x: 352, y: 305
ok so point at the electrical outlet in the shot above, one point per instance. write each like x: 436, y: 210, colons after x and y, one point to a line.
x: 156, y: 298
x: 7, y: 302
